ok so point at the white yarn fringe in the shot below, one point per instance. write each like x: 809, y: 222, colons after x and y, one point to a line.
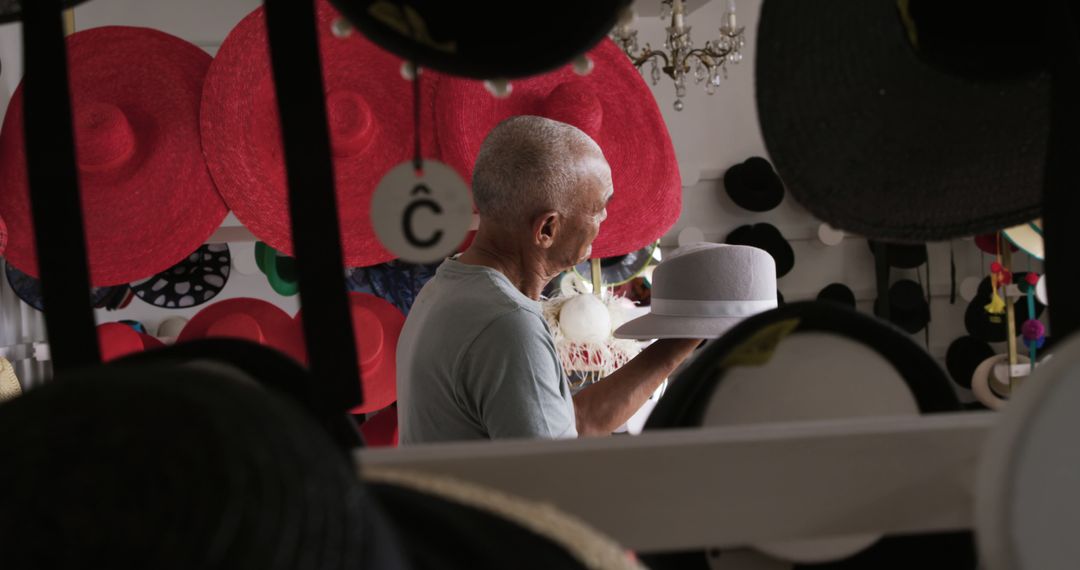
x: 592, y: 357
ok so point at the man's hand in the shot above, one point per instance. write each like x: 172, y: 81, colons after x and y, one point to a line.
x: 676, y: 350
x: 602, y: 407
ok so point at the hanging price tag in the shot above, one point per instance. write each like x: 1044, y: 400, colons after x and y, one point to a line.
x: 421, y: 218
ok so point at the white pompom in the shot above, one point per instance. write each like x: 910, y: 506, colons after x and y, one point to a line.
x: 585, y: 318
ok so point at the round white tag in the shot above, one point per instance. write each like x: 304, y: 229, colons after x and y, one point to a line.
x: 829, y: 235
x: 243, y: 257
x: 1040, y: 291
x: 421, y: 218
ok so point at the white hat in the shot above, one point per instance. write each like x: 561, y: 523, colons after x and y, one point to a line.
x: 704, y: 289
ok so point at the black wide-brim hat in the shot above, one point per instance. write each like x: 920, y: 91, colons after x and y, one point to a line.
x: 872, y: 139
x: 178, y: 463
x: 745, y: 373
x: 492, y: 39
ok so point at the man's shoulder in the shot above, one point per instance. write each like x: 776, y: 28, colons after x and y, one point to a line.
x: 478, y: 293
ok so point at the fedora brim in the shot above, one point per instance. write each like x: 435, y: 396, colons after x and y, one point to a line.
x: 661, y: 326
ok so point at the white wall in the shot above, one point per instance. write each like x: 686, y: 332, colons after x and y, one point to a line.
x: 711, y: 134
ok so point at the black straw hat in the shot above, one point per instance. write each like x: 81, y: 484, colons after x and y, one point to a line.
x: 754, y: 185
x: 909, y: 121
x: 143, y: 465
x: 491, y: 39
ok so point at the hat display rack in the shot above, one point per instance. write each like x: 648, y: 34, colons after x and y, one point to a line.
x: 57, y: 215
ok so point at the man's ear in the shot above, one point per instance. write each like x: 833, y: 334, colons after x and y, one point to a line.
x: 546, y: 227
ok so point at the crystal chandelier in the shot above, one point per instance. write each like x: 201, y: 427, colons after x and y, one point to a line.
x: 680, y: 58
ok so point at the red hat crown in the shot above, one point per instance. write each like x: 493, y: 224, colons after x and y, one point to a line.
x: 369, y: 336
x: 351, y: 126
x: 117, y: 339
x: 575, y: 104
x: 104, y: 139
x: 237, y: 325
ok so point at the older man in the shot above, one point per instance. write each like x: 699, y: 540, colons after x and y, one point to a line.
x: 476, y: 359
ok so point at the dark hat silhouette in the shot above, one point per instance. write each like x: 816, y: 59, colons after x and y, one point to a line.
x: 837, y: 293
x: 908, y: 308
x: 964, y: 356
x: 178, y: 467
x: 994, y: 328
x: 932, y: 76
x: 903, y: 255
x: 767, y: 237
x: 754, y: 185
x: 459, y: 43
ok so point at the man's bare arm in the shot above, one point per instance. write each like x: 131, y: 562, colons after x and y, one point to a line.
x: 602, y: 407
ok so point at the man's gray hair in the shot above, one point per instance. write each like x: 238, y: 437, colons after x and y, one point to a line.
x: 528, y: 165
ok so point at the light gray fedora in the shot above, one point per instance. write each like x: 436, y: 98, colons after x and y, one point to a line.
x: 704, y: 289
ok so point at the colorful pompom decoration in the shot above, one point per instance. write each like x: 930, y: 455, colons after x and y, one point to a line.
x: 1033, y: 331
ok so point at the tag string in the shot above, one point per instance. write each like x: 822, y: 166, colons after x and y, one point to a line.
x: 418, y: 160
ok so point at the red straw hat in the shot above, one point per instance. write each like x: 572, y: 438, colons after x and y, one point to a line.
x: 377, y: 325
x: 119, y: 339
x: 148, y: 199
x: 370, y: 114
x: 382, y: 429
x: 612, y: 105
x: 249, y: 319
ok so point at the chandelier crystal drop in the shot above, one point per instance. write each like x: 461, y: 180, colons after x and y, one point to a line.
x: 679, y: 58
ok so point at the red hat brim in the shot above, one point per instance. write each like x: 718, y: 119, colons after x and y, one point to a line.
x: 153, y: 209
x: 378, y: 378
x: 117, y: 340
x: 242, y: 135
x: 382, y: 429
x: 279, y: 330
x: 648, y: 190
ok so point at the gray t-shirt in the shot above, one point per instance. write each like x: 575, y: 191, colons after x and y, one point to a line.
x: 477, y: 361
